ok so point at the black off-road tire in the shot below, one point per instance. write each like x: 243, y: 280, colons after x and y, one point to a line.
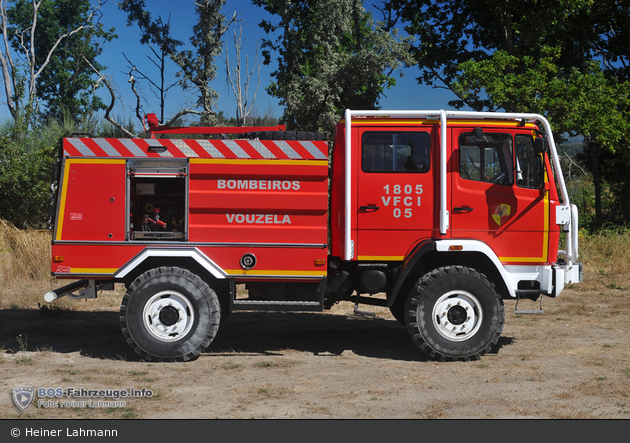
x: 454, y: 297
x: 169, y: 298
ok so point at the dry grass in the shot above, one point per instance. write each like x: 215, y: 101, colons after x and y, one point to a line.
x: 25, y: 272
x: 606, y: 259
x: 606, y: 251
x: 24, y: 266
x: 25, y: 254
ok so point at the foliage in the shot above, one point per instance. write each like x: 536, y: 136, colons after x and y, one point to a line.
x: 538, y: 56
x: 451, y: 32
x: 65, y: 83
x: 332, y: 55
x: 24, y: 183
x: 26, y: 167
x: 255, y: 119
x: 584, y: 103
x: 198, y: 68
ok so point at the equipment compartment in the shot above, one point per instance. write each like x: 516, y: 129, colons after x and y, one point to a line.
x: 157, y: 200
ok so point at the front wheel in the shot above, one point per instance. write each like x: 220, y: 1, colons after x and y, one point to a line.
x: 169, y: 314
x: 454, y: 313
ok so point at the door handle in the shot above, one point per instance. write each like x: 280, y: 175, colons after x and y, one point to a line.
x: 464, y: 209
x: 370, y: 207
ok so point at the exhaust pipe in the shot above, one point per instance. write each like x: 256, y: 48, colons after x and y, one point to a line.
x: 65, y: 290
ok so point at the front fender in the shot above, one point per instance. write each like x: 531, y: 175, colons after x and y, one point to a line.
x: 441, y: 250
x: 409, y: 265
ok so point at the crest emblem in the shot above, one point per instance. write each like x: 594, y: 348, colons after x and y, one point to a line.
x: 500, y: 213
x: 23, y: 397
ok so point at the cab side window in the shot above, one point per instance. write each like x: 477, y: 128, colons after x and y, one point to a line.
x: 486, y: 157
x: 396, y: 152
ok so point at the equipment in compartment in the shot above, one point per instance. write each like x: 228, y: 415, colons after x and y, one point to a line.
x: 157, y: 202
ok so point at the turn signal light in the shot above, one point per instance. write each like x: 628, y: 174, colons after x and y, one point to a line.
x: 57, y: 258
x: 320, y: 262
x: 456, y: 248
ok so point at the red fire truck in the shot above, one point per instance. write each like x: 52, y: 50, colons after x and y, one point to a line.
x: 438, y: 215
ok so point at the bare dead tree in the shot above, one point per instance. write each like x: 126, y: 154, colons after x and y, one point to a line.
x: 132, y: 81
x: 112, y: 93
x: 159, y: 90
x: 239, y: 80
x: 138, y: 112
x: 156, y: 34
x: 16, y: 82
x: 197, y: 68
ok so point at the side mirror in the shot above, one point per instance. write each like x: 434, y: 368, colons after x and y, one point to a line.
x: 540, y: 145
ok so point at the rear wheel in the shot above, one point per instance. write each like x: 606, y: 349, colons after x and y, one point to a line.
x: 169, y: 314
x: 454, y: 313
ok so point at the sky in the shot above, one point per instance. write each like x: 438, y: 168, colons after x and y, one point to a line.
x: 407, y: 94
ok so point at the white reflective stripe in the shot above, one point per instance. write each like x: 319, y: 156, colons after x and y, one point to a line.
x: 132, y: 147
x: 288, y: 150
x: 80, y: 146
x: 105, y: 146
x: 235, y: 148
x: 312, y: 149
x: 210, y: 149
x: 183, y: 146
x: 166, y: 254
x: 261, y: 149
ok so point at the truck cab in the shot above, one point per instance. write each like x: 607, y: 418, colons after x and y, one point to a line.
x: 450, y: 200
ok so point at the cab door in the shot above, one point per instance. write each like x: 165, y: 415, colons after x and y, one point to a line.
x: 395, y: 192
x: 498, y: 194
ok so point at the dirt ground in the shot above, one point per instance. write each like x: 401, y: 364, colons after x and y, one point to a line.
x: 572, y: 361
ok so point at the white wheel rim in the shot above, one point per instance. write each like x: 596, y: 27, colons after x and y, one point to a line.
x: 457, y: 315
x: 168, y: 316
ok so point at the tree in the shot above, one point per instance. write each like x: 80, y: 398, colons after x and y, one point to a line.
x: 332, y: 55
x: 239, y: 80
x: 565, y: 59
x: 577, y: 103
x: 451, y: 32
x: 50, y: 38
x: 157, y: 35
x: 198, y: 68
